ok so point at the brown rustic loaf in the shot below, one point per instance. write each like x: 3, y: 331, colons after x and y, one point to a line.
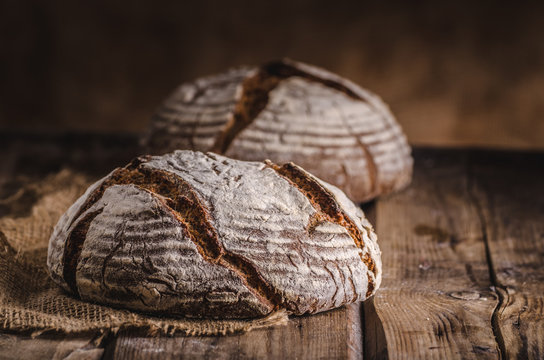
x: 289, y: 111
x: 202, y: 235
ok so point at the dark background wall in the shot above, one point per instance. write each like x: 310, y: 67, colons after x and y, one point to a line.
x: 454, y: 73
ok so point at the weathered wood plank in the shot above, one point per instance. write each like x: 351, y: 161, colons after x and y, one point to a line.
x: 435, y: 300
x: 374, y: 343
x: 508, y: 189
x: 433, y: 237
x: 334, y: 334
x: 55, y: 347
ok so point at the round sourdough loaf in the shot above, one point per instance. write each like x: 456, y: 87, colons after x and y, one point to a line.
x: 201, y: 235
x: 289, y: 111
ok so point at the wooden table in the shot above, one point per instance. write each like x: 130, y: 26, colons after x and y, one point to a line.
x: 463, y: 255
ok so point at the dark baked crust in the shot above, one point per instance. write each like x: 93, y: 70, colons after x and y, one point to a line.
x: 327, y: 209
x: 226, y: 112
x: 158, y: 236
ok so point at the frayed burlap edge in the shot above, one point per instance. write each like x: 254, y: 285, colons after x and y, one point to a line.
x: 30, y: 301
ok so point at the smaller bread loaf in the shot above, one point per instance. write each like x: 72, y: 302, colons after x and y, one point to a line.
x: 201, y: 235
x: 289, y: 111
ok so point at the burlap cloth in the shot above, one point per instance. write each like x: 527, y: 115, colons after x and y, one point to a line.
x: 30, y: 301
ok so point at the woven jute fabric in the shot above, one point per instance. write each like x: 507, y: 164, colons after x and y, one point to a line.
x: 30, y: 301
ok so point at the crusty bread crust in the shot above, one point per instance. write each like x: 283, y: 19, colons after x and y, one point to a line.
x: 202, y: 235
x: 289, y: 111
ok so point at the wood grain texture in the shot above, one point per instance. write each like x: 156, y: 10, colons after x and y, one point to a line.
x: 374, y: 341
x: 334, y: 334
x: 435, y: 301
x: 59, y: 347
x: 504, y: 186
x: 511, y: 207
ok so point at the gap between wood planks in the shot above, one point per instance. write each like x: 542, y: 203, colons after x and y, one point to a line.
x: 375, y: 346
x: 504, y: 329
x: 509, y: 191
x: 431, y: 315
x: 493, y: 198
x: 498, y: 289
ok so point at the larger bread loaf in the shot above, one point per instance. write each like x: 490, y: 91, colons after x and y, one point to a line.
x: 289, y: 111
x: 201, y: 235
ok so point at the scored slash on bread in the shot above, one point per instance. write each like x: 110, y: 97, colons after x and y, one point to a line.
x: 289, y: 111
x: 201, y: 235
